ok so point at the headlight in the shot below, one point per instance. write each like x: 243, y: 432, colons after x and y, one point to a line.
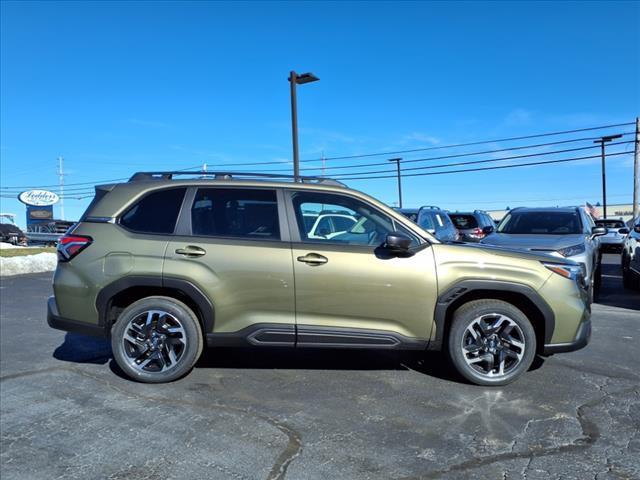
x: 572, y: 272
x: 571, y: 251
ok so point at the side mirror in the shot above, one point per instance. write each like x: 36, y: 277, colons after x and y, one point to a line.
x: 598, y: 231
x: 488, y: 229
x: 397, y: 242
x: 636, y: 229
x: 623, y: 231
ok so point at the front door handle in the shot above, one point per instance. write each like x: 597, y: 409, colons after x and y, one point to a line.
x: 191, y: 251
x: 313, y: 259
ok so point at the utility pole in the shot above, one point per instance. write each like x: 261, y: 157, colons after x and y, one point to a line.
x: 322, y: 163
x: 61, y: 182
x: 397, y: 160
x: 636, y: 180
x: 602, y: 141
x: 294, y: 80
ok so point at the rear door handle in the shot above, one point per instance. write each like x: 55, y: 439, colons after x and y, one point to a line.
x: 313, y: 259
x: 191, y: 251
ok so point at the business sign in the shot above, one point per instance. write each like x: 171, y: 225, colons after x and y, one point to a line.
x: 40, y: 213
x: 38, y: 198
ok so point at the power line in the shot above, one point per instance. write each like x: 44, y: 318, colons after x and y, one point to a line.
x: 98, y: 182
x: 475, y: 162
x: 474, y: 143
x: 492, y: 168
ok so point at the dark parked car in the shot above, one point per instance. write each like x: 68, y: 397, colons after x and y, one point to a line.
x: 11, y: 233
x: 473, y: 226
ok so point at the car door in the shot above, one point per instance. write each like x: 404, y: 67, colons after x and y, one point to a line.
x: 349, y: 290
x: 233, y: 244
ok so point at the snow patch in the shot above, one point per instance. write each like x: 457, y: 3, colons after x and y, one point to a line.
x: 40, y: 262
x: 4, y: 245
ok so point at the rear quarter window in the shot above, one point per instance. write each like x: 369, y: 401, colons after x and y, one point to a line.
x: 156, y: 212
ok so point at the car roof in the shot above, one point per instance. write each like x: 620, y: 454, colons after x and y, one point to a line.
x: 545, y: 209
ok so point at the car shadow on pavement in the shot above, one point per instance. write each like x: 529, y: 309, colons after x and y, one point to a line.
x: 78, y: 348
x: 612, y: 293
x: 433, y: 364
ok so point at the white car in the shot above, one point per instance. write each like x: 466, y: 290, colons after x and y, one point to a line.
x: 328, y: 225
x: 616, y: 233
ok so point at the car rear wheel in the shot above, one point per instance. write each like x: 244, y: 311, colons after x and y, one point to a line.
x: 491, y: 342
x: 156, y: 340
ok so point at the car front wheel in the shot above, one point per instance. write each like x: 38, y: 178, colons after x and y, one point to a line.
x: 491, y: 342
x: 156, y: 340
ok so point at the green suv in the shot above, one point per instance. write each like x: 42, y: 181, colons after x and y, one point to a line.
x: 163, y: 265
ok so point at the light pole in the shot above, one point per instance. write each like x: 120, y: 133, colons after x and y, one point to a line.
x: 397, y: 160
x: 602, y: 141
x: 294, y: 80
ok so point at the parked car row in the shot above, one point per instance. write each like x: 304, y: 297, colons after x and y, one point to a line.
x: 563, y: 232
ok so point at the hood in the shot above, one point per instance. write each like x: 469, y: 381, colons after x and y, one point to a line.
x: 517, y: 253
x: 532, y: 242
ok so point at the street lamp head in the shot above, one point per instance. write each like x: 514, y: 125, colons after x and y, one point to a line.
x: 395, y: 159
x: 608, y: 138
x: 303, y: 78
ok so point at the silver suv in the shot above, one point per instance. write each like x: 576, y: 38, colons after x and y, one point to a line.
x: 566, y: 232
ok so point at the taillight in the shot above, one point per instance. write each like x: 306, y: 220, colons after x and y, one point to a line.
x: 478, y: 232
x: 71, y: 245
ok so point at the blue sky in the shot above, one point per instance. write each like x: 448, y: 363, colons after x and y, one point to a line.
x: 122, y: 86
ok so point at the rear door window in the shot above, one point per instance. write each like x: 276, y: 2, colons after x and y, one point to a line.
x: 235, y: 212
x: 156, y: 212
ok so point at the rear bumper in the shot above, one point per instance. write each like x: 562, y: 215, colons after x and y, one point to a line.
x: 59, y: 323
x: 582, y: 338
x: 618, y: 241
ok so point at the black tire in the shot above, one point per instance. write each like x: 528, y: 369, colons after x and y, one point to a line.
x: 188, y: 343
x: 465, y: 316
x: 629, y: 279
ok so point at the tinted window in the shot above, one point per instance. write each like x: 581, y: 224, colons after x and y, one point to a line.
x: 541, y: 223
x: 463, y: 221
x: 234, y: 212
x: 367, y: 226
x: 155, y: 213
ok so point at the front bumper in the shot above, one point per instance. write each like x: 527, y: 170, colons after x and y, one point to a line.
x: 59, y: 323
x: 581, y: 340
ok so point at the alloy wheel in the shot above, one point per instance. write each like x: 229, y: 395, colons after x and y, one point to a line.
x: 154, y: 341
x: 493, y: 345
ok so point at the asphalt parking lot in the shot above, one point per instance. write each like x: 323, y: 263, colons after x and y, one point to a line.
x: 66, y: 412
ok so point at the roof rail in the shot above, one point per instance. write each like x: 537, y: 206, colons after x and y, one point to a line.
x: 168, y: 175
x: 430, y: 207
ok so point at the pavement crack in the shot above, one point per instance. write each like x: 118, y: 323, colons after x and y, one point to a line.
x: 282, y: 462
x: 590, y: 435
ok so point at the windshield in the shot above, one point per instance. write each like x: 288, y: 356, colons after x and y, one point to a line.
x: 541, y: 223
x: 610, y: 223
